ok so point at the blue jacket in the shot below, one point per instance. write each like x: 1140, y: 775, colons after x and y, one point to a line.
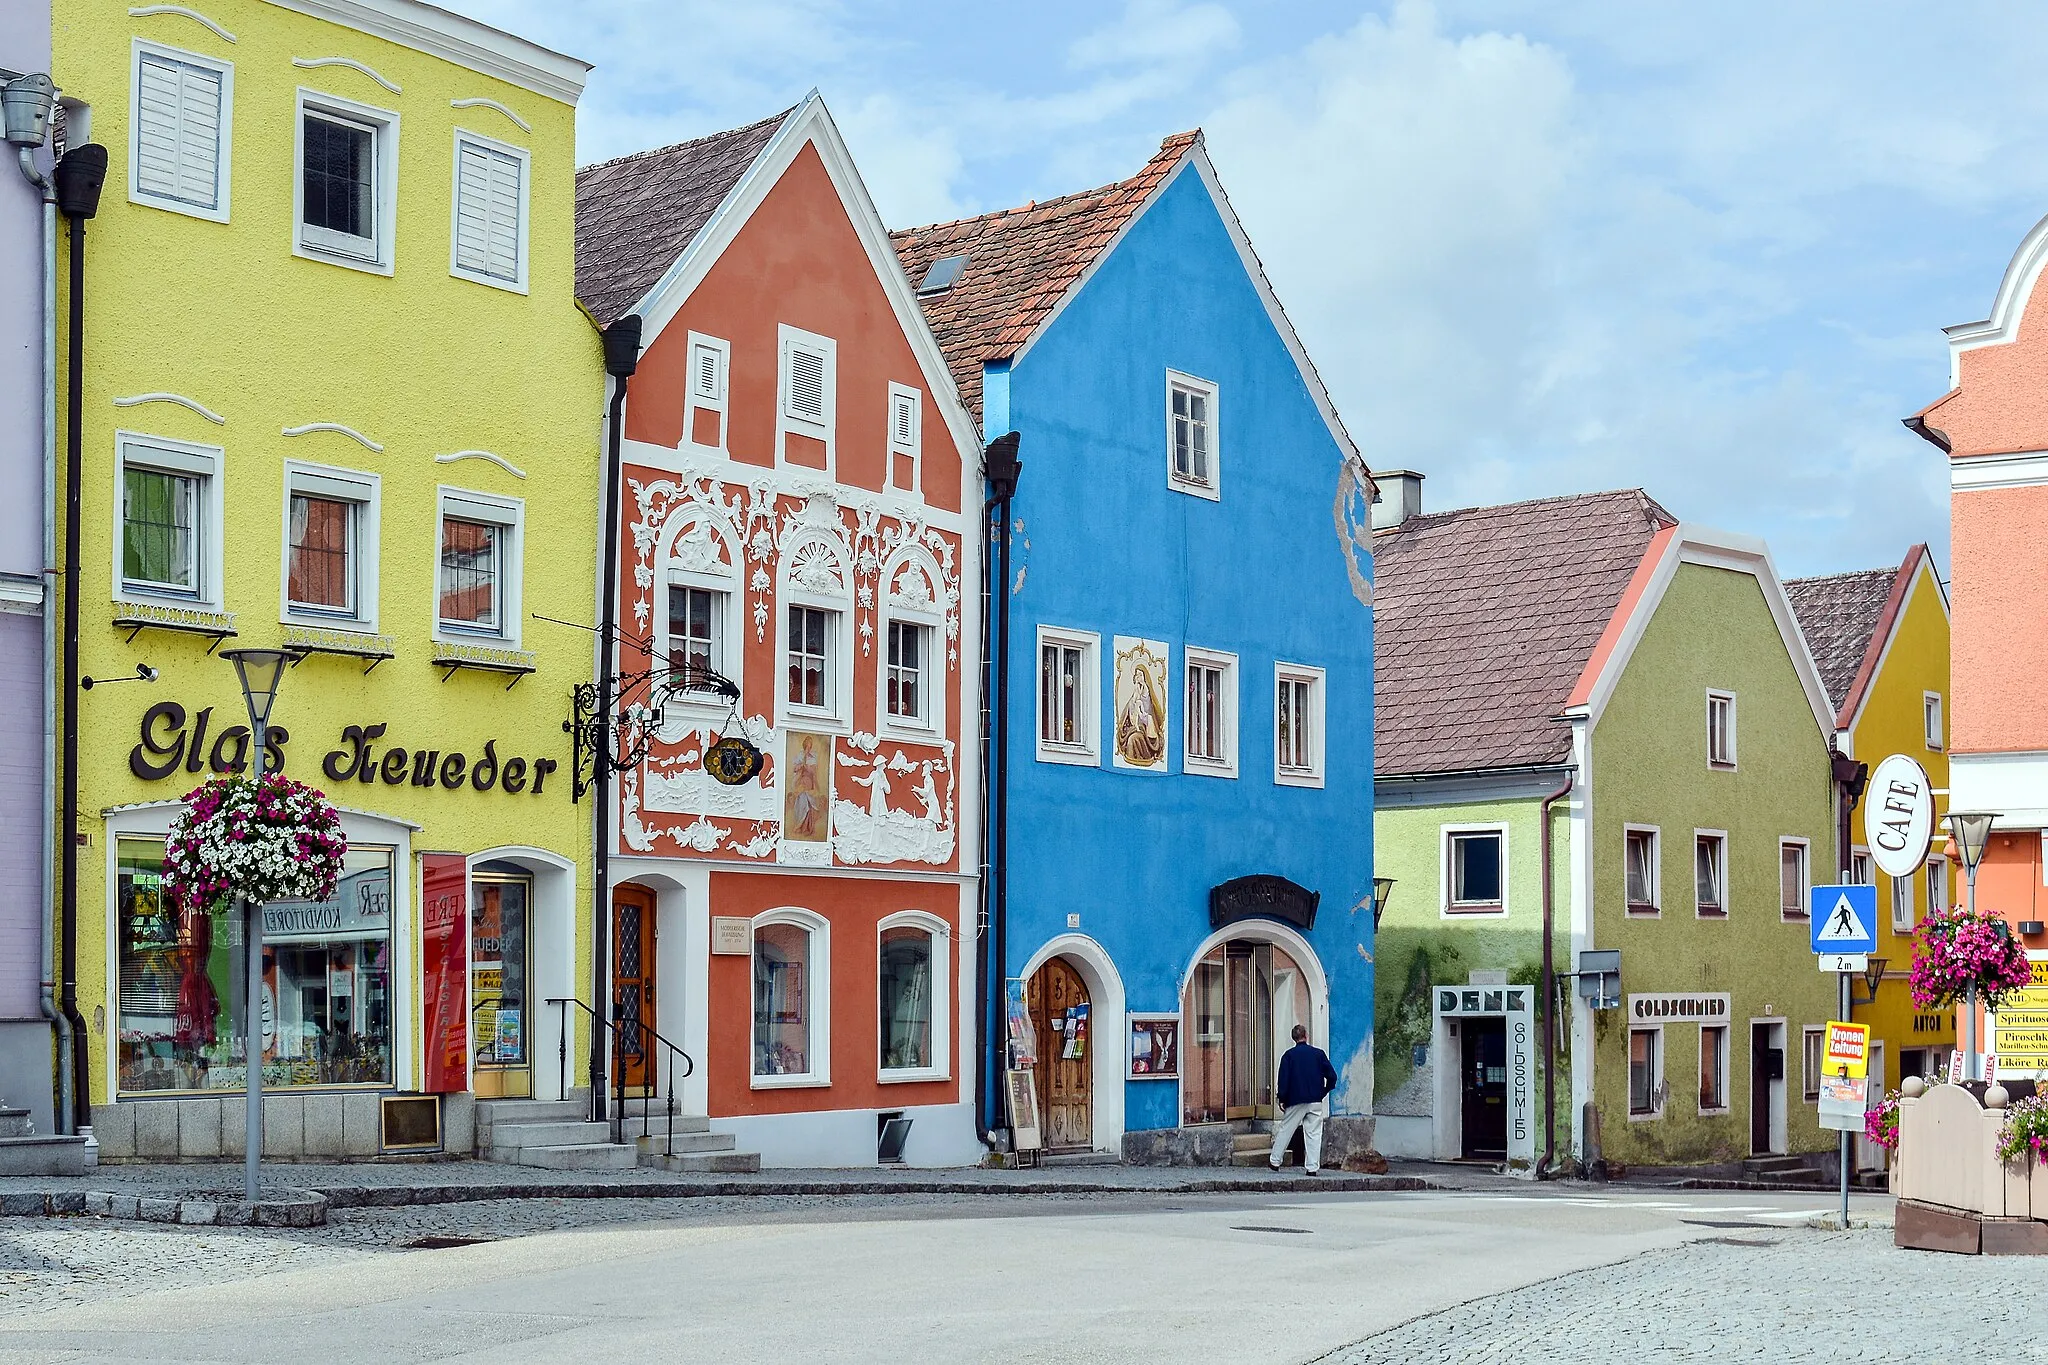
x: 1305, y: 1075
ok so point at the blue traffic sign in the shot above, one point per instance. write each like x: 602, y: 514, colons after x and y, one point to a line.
x: 1844, y: 918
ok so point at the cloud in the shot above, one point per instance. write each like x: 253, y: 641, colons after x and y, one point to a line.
x: 1158, y: 31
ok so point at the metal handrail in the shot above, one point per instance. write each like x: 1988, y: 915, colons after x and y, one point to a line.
x: 617, y: 1117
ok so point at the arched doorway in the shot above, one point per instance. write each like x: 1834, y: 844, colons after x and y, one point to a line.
x: 1249, y: 985
x: 1066, y: 1036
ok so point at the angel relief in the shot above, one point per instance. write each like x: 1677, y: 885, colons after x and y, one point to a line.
x: 907, y: 816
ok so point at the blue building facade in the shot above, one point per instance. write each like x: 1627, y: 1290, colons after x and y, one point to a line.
x: 1189, y: 786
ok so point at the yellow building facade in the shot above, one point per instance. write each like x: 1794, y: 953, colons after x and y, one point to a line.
x: 1883, y: 635
x: 337, y: 397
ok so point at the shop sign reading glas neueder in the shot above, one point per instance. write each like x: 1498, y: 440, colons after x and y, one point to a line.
x: 167, y: 743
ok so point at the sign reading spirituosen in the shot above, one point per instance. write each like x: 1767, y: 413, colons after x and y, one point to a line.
x: 2020, y: 1027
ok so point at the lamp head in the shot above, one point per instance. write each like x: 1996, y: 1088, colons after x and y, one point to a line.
x: 1971, y: 831
x: 260, y: 671
x: 1382, y: 887
x: 1003, y: 467
x: 25, y: 104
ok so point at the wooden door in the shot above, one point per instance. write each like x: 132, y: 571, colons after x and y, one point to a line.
x: 1056, y: 996
x: 633, y: 957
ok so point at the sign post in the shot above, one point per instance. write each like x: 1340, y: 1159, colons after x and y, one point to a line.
x: 1843, y: 923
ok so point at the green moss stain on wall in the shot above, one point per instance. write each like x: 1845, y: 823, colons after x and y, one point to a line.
x: 1713, y: 629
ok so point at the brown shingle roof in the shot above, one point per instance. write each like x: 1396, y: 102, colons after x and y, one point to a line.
x: 1020, y: 263
x: 635, y: 215
x: 1838, y: 614
x: 1484, y: 618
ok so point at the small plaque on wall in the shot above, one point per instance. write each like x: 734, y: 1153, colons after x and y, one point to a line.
x: 731, y: 936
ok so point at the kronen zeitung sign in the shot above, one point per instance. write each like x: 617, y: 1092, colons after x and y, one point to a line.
x: 168, y: 743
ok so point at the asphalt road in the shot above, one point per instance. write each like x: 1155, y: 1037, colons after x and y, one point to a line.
x: 942, y: 1278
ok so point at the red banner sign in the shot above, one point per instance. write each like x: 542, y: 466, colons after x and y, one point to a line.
x: 444, y: 975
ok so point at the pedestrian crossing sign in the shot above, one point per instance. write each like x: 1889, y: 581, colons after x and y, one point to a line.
x: 1843, y: 918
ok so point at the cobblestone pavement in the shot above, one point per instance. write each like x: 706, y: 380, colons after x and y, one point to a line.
x: 1744, y: 1294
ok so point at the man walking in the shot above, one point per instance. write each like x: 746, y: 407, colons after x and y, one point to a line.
x: 1306, y: 1077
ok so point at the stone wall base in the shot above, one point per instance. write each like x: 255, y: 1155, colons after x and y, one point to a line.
x: 1209, y: 1144
x: 322, y: 1126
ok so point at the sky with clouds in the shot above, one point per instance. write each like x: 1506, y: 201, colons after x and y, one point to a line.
x: 1535, y: 246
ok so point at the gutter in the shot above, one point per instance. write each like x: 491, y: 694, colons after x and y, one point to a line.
x: 1546, y: 1164
x: 1001, y: 468
x: 1934, y: 436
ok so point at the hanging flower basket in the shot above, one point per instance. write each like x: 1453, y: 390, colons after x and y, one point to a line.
x: 267, y: 839
x: 1881, y: 1122
x: 2025, y: 1134
x: 1957, y: 950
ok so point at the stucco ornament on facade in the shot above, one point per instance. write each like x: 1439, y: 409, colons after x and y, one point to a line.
x: 878, y: 832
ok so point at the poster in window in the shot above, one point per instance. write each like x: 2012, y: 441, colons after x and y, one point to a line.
x: 1023, y: 1037
x: 807, y: 792
x: 1155, y: 1047
x: 1140, y: 688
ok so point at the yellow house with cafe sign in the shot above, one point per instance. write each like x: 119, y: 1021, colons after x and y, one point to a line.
x: 337, y: 397
x: 1881, y: 640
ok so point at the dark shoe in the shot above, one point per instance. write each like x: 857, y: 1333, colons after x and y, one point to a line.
x: 1315, y: 1170
x: 1273, y: 1166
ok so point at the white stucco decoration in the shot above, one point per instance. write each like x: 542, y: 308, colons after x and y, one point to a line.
x: 882, y: 830
x: 311, y: 427
x: 145, y: 11
x: 180, y: 399
x: 353, y: 65
x: 479, y: 102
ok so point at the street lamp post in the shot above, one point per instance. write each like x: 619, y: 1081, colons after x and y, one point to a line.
x: 259, y: 670
x: 1971, y: 830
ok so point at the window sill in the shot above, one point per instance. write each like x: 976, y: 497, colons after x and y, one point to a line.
x: 1072, y: 755
x: 817, y: 722
x: 1723, y: 1112
x: 1712, y: 766
x: 1708, y: 912
x: 1208, y: 767
x: 788, y: 1082
x: 1793, y: 916
x: 200, y: 211
x: 517, y: 286
x: 1194, y: 488
x: 1295, y: 777
x: 913, y: 731
x: 1476, y: 909
x: 306, y: 251
x: 192, y: 618
x: 1644, y: 911
x: 1651, y: 1117
x: 925, y: 1077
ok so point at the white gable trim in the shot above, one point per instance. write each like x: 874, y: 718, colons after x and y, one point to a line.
x: 1197, y: 156
x: 2008, y: 307
x: 811, y: 124
x: 1921, y: 571
x: 1696, y: 544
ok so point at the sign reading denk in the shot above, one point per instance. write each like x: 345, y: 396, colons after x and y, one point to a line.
x: 1898, y: 815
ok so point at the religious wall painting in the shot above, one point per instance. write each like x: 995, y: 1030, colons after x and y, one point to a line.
x: 1140, y: 704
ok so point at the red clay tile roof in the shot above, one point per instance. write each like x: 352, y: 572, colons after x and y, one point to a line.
x: 1840, y: 614
x: 1483, y: 620
x: 1020, y: 263
x: 635, y: 215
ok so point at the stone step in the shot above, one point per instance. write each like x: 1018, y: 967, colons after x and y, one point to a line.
x: 704, y: 1163
x: 1251, y: 1142
x: 553, y: 1134
x: 14, y: 1123
x: 1078, y: 1159
x: 42, y: 1155
x: 1759, y: 1165
x: 682, y: 1143
x: 490, y: 1112
x: 578, y: 1156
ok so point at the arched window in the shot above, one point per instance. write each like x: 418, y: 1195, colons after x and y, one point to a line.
x: 816, y: 647
x: 792, y: 1007
x: 914, y: 645
x: 911, y: 978
x: 699, y: 608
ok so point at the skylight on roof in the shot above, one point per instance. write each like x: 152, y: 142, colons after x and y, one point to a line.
x: 942, y: 275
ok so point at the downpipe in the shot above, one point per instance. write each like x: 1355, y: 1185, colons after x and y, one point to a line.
x: 1546, y: 1165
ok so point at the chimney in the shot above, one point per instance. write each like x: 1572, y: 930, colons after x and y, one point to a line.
x: 1400, y: 497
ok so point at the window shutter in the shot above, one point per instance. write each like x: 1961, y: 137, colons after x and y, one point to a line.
x: 706, y: 379
x: 806, y: 385
x: 177, y: 144
x: 487, y: 209
x: 903, y: 420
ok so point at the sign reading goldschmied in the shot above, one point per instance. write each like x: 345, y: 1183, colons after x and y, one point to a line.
x: 1698, y: 1008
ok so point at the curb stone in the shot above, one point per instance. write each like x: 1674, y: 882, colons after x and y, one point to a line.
x: 282, y: 1209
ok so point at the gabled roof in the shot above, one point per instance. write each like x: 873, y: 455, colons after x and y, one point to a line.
x: 1020, y: 263
x: 637, y: 214
x: 1848, y: 620
x: 1484, y: 620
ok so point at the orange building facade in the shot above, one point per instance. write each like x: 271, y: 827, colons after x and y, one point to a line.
x: 792, y: 522
x: 1993, y: 427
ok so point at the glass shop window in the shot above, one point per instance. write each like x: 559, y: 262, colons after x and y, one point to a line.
x: 783, y: 1008
x: 500, y: 910
x: 326, y: 1006
x: 906, y: 999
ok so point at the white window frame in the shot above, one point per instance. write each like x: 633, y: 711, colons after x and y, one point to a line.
x: 695, y: 401
x: 1312, y: 776
x: 223, y: 156
x: 931, y: 670
x: 1805, y: 847
x: 942, y: 997
x: 518, y: 283
x: 1721, y: 765
x: 1860, y: 873
x: 732, y: 659
x: 465, y: 504
x: 1088, y: 753
x: 1660, y: 1092
x: 383, y: 125
x: 790, y: 340
x: 836, y: 717
x: 1211, y: 487
x: 913, y: 449
x: 1720, y: 835
x: 819, y: 1003
x: 178, y: 457
x: 1656, y: 903
x: 345, y: 485
x: 1720, y: 1065
x: 1193, y: 657
x: 1447, y: 873
x: 1905, y: 910
x: 1937, y: 885
x: 1812, y: 1061
x: 1933, y: 722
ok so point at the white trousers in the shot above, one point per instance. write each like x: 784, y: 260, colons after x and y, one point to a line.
x: 1308, y: 1118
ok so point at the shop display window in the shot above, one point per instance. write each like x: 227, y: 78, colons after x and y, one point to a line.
x: 906, y: 999
x: 782, y: 1000
x: 326, y: 1005
x: 500, y: 910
